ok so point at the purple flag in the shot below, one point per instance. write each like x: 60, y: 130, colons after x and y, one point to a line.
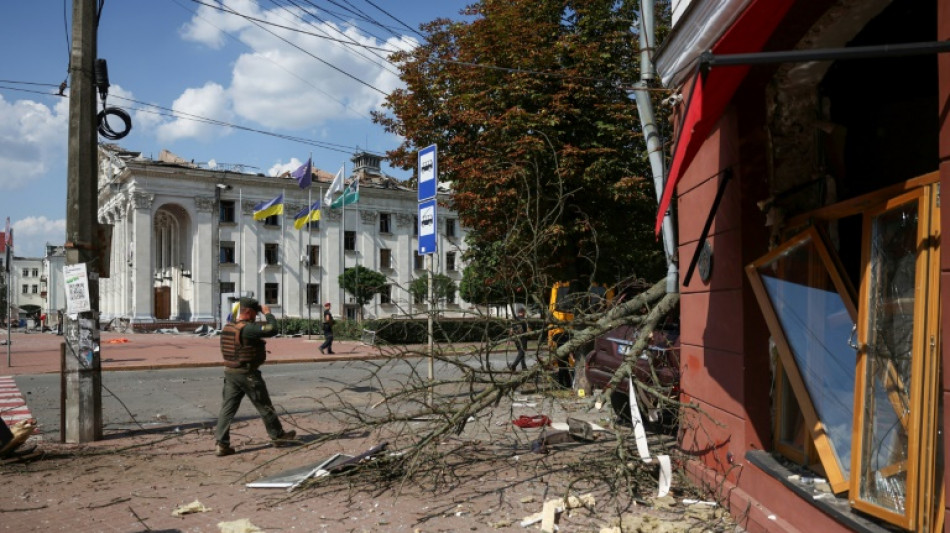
x: 304, y: 174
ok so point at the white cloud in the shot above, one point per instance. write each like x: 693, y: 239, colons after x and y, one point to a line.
x: 301, y: 85
x: 210, y: 101
x: 280, y: 168
x: 31, y: 234
x: 209, y: 26
x: 31, y: 136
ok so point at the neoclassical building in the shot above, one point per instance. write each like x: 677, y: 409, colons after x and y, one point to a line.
x: 184, y: 239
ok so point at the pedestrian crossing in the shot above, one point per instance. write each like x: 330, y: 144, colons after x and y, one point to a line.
x: 13, y: 406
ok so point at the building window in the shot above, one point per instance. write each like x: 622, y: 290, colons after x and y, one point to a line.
x: 415, y: 226
x: 313, y: 255
x: 450, y: 297
x: 313, y: 294
x: 26, y: 272
x: 227, y: 211
x: 418, y: 261
x: 36, y: 289
x: 273, y: 220
x: 349, y: 241
x: 226, y: 254
x: 227, y: 286
x: 271, y: 255
x: 418, y: 298
x: 36, y: 273
x: 385, y: 258
x: 450, y: 227
x: 450, y: 261
x: 385, y: 223
x: 271, y: 290
x: 386, y: 294
x: 26, y: 289
x: 313, y: 225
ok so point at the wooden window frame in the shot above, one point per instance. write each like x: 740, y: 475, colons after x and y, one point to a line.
x: 920, y: 423
x: 837, y: 479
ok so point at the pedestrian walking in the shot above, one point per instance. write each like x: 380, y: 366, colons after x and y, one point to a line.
x: 520, y: 330
x: 327, y: 346
x: 243, y: 350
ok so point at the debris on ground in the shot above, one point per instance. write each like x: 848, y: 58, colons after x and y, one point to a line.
x: 170, y: 331
x: 553, y: 508
x: 239, y: 526
x: 193, y: 507
x: 120, y: 340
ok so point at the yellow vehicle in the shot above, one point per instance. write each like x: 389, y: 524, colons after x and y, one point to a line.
x: 567, y: 300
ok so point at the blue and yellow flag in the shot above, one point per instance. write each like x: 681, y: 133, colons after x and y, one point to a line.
x: 271, y: 208
x: 307, y: 214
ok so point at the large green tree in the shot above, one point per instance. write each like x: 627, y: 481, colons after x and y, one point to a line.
x: 528, y: 102
x: 444, y: 288
x: 363, y: 283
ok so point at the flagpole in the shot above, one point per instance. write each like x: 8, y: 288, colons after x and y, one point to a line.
x: 343, y: 243
x: 241, y: 231
x: 306, y: 289
x: 281, y: 258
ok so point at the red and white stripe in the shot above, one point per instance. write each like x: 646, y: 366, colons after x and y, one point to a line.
x: 13, y: 407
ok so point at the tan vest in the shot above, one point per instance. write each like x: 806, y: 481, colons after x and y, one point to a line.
x: 236, y: 354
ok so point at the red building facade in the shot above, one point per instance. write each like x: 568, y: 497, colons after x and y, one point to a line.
x: 812, y: 344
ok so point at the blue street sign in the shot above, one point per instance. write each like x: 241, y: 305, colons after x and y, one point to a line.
x: 428, y: 172
x: 427, y: 230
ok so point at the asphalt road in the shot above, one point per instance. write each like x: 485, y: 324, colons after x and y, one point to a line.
x: 192, y: 396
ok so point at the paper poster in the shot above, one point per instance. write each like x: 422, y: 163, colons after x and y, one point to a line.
x: 77, y: 289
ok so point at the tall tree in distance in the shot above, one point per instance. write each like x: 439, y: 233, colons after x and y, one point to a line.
x: 528, y: 103
x: 363, y: 283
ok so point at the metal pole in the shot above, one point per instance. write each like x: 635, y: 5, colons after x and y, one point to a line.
x: 430, y: 330
x: 83, y: 371
x: 652, y: 136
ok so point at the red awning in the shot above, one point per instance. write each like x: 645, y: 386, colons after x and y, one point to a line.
x: 711, y: 92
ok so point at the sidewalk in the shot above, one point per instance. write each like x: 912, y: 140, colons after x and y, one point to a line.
x: 39, y: 353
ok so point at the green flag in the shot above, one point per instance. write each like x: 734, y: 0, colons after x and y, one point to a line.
x: 350, y: 195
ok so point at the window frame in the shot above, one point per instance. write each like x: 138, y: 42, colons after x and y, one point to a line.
x: 272, y: 293
x: 271, y: 253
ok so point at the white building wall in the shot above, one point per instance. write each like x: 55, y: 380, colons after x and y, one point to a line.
x: 144, y: 195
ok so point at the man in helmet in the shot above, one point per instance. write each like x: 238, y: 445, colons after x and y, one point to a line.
x: 243, y: 350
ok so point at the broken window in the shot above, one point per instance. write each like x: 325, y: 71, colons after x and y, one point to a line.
x: 864, y: 379
x: 811, y: 316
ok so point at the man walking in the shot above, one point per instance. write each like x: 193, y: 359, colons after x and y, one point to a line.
x: 520, y: 330
x: 243, y: 350
x: 327, y: 346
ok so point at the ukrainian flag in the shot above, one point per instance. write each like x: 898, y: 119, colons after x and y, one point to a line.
x: 271, y: 208
x: 308, y: 214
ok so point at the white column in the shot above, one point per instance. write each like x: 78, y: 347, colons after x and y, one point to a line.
x: 143, y: 272
x: 203, y: 256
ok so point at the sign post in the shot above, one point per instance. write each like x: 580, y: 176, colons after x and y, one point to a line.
x: 428, y: 187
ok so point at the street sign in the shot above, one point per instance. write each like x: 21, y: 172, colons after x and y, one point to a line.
x: 428, y: 172
x: 427, y: 230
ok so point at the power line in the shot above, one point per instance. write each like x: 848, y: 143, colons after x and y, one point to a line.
x: 388, y: 14
x: 260, y: 24
x: 332, y: 27
x: 146, y: 107
x: 294, y: 74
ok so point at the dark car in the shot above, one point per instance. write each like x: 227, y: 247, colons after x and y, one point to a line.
x: 660, y: 359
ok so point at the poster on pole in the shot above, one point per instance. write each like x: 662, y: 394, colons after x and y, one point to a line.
x: 428, y: 172
x: 77, y: 289
x: 427, y: 231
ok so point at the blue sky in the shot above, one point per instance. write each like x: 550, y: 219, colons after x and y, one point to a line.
x: 181, y: 55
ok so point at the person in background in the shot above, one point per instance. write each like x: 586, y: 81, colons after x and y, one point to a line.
x: 243, y: 350
x: 520, y: 329
x: 327, y: 346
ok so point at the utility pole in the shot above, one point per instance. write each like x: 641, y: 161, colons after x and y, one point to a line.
x: 83, y: 373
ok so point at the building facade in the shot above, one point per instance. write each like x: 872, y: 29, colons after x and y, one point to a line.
x: 37, y: 283
x: 812, y: 339
x: 183, y: 236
